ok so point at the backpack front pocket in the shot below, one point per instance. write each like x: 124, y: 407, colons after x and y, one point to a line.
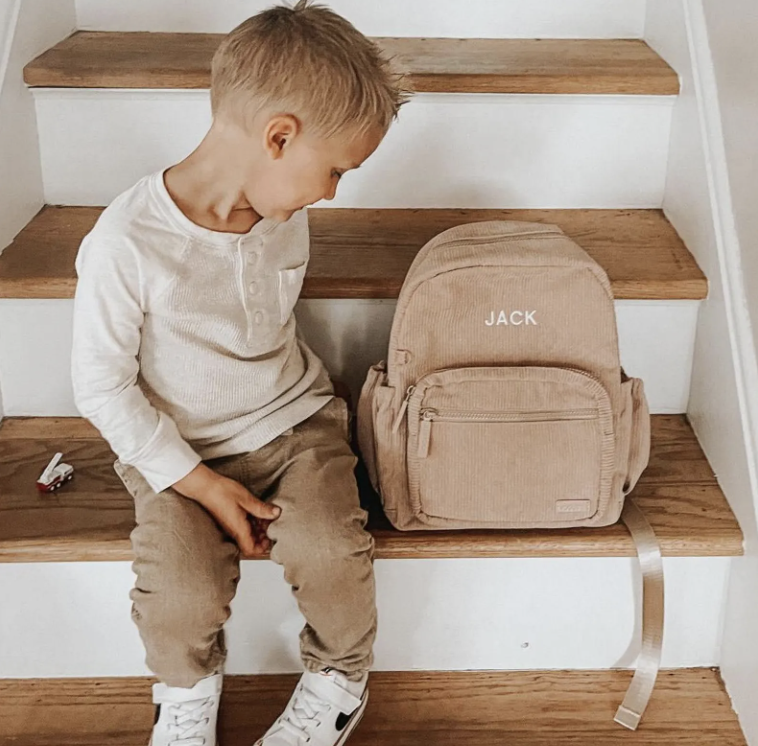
x: 510, y: 447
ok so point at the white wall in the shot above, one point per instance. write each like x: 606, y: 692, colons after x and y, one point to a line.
x: 708, y: 188
x: 27, y: 28
x: 733, y: 31
x: 443, y: 614
x: 494, y: 18
x: 536, y: 146
x: 656, y: 339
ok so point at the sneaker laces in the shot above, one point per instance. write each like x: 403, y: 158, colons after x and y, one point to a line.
x: 303, y: 713
x: 189, y: 719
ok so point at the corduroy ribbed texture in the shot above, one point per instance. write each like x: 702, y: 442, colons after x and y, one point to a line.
x: 503, y: 403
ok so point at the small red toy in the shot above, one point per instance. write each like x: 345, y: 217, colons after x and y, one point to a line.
x: 55, y: 475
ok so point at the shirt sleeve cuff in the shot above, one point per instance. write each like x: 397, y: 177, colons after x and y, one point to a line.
x: 166, y: 458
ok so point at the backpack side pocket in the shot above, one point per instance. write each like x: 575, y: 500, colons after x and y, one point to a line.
x: 365, y: 423
x: 639, y: 445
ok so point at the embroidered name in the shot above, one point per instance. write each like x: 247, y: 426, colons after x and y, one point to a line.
x: 511, y: 318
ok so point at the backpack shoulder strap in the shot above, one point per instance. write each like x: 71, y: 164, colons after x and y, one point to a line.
x: 648, y: 549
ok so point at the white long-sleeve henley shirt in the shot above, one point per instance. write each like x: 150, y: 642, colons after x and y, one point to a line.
x: 185, y: 344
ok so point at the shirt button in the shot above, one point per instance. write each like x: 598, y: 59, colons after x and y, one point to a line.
x: 253, y: 255
x: 259, y: 317
x: 253, y: 288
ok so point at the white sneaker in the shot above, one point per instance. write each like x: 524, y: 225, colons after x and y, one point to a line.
x: 324, y: 710
x: 187, y: 717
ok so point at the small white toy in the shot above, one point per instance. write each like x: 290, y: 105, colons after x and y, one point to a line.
x: 55, y: 475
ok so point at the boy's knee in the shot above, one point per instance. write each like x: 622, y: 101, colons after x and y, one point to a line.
x: 326, y: 545
x: 191, y: 607
x: 193, y: 588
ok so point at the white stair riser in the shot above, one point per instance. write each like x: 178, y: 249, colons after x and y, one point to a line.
x: 487, y: 18
x: 656, y: 341
x: 447, y: 150
x: 434, y: 614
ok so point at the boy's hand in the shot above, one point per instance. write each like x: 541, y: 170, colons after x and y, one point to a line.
x: 243, y: 516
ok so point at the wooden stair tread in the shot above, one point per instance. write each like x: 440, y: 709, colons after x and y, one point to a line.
x: 436, y: 708
x: 100, y: 59
x: 365, y: 253
x: 91, y: 517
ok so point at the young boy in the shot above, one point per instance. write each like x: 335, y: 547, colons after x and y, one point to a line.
x: 224, y: 422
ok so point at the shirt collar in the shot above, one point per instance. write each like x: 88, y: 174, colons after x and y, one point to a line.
x: 198, y: 232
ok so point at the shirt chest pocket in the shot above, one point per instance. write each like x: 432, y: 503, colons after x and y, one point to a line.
x: 290, y: 284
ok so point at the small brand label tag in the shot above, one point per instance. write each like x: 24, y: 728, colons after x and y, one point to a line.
x: 573, y: 506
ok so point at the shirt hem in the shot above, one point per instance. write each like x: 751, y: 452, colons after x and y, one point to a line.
x: 263, y: 433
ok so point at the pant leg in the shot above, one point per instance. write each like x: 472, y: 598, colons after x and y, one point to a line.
x: 187, y: 573
x: 321, y: 541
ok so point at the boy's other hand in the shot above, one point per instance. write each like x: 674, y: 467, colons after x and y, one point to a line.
x: 243, y: 516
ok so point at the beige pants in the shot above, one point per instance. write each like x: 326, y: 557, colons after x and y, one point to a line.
x: 187, y: 569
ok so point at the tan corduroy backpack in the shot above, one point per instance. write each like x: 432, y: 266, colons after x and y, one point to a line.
x: 503, y: 403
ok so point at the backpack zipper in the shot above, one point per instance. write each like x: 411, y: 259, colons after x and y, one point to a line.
x: 429, y: 415
x: 403, y: 407
x: 412, y: 389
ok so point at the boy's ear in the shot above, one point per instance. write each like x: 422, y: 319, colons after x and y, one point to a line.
x: 279, y: 133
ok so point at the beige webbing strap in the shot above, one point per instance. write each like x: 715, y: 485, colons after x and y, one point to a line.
x: 637, y: 697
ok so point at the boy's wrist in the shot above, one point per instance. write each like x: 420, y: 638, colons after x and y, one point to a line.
x: 197, y: 483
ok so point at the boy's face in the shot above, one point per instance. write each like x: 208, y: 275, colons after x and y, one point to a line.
x: 300, y: 168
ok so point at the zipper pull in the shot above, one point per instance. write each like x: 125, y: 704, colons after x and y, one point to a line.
x: 403, y: 407
x: 425, y: 432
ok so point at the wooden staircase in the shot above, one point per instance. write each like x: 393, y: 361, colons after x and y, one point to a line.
x: 363, y: 253
x: 92, y: 517
x: 529, y: 708
x: 169, y: 60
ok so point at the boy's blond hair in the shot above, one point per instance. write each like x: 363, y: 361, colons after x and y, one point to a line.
x: 310, y: 62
